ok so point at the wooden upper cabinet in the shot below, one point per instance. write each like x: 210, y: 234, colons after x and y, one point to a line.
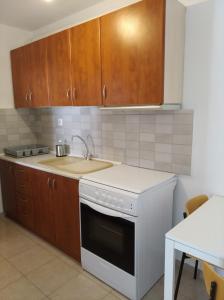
x: 59, y: 69
x: 29, y: 73
x: 132, y: 50
x: 38, y: 84
x: 86, y: 64
x: 20, y: 71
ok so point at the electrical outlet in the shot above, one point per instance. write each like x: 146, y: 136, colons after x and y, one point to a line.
x: 60, y: 122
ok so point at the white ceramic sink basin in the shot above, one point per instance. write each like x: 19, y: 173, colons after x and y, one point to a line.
x: 76, y: 165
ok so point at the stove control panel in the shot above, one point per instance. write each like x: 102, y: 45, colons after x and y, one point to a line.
x: 112, y: 198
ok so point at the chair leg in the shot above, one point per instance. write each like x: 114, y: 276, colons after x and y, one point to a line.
x: 213, y: 290
x: 196, y: 270
x: 179, y: 275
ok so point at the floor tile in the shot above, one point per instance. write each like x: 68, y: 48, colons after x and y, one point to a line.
x: 190, y: 289
x: 14, y: 244
x: 22, y: 289
x: 80, y: 287
x: 118, y: 295
x: 50, y: 272
x: 111, y: 297
x: 97, y: 281
x: 8, y: 274
x: 52, y: 276
x: 31, y: 259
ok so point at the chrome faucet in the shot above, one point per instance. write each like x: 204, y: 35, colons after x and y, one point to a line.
x: 87, y: 156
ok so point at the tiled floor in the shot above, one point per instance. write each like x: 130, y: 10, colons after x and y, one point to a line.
x: 31, y: 269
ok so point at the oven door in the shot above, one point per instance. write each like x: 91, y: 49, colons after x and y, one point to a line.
x: 108, y: 234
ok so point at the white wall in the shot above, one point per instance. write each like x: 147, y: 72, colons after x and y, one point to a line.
x: 204, y: 93
x: 10, y: 38
x: 92, y: 12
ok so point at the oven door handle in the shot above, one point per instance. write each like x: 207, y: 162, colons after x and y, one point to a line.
x: 106, y: 211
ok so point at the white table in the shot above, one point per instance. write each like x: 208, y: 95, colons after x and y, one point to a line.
x: 200, y: 235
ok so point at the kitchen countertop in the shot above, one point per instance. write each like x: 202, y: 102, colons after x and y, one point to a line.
x: 34, y: 162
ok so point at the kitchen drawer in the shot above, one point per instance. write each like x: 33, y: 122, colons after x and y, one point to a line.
x: 22, y: 179
x: 25, y: 210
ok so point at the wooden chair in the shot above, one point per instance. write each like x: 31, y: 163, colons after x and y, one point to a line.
x: 213, y: 282
x: 190, y: 207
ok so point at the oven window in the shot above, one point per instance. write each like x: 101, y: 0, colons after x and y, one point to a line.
x: 110, y: 238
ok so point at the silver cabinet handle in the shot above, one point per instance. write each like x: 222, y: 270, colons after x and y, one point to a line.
x: 48, y: 182
x: 30, y: 96
x: 68, y: 94
x: 104, y: 92
x: 53, y: 184
x: 26, y: 97
x: 74, y: 94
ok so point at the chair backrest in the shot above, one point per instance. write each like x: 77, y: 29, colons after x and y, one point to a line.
x: 211, y: 276
x: 195, y: 203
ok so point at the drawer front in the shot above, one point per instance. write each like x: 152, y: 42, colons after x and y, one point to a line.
x: 25, y: 210
x: 22, y: 178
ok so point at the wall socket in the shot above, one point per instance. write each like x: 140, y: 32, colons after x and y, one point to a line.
x: 60, y: 122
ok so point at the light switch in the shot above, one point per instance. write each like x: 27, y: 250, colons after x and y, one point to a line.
x: 60, y: 122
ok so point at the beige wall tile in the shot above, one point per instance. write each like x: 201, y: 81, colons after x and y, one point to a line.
x: 164, y: 148
x: 182, y: 139
x: 163, y: 157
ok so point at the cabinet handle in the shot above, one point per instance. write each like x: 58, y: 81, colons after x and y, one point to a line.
x: 27, y: 97
x: 74, y: 94
x: 30, y: 96
x: 68, y: 94
x: 53, y: 184
x: 104, y: 92
x: 48, y: 182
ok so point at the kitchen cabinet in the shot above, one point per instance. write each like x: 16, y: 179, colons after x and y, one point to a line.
x: 59, y: 69
x: 66, y: 209
x: 19, y: 65
x: 29, y: 73
x: 43, y: 206
x: 132, y: 49
x: 86, y: 64
x: 8, y: 189
x: 24, y: 196
x: 37, y: 54
x: 133, y: 56
x: 44, y: 203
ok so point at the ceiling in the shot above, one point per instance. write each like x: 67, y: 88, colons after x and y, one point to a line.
x: 33, y: 14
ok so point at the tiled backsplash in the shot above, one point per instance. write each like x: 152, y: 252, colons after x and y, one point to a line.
x: 17, y: 127
x: 159, y: 140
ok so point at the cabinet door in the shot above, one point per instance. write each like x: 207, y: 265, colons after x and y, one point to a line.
x: 43, y: 206
x: 59, y: 68
x: 133, y: 54
x: 37, y: 54
x: 24, y: 195
x: 19, y: 65
x: 8, y: 189
x: 66, y: 208
x: 86, y: 64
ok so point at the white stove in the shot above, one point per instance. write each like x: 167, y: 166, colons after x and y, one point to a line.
x: 125, y: 213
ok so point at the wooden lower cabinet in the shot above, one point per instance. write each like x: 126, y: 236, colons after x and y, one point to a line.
x: 8, y: 189
x: 66, y: 209
x: 43, y: 206
x: 44, y: 203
